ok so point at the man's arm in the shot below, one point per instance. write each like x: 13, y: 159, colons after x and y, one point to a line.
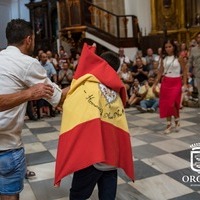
x: 38, y: 91
x: 63, y: 96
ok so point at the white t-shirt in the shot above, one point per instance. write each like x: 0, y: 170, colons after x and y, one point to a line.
x: 19, y: 72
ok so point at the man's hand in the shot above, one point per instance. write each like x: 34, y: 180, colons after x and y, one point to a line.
x: 64, y: 94
x: 35, y: 92
x: 41, y: 90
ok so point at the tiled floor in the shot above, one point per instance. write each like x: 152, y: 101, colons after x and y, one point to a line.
x: 162, y: 162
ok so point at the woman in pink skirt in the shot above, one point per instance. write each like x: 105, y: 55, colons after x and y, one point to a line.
x: 173, y: 72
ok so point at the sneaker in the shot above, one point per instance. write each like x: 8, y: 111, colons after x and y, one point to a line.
x: 141, y: 109
x: 151, y: 110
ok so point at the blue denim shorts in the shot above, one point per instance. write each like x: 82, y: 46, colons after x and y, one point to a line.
x: 12, y: 171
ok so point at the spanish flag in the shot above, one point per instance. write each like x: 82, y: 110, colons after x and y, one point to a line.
x: 94, y: 127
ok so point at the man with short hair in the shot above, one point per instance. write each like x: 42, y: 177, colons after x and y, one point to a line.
x: 19, y: 72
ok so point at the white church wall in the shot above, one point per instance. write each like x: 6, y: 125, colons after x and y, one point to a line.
x: 141, y: 9
x: 11, y: 9
x: 5, y: 14
x: 130, y: 52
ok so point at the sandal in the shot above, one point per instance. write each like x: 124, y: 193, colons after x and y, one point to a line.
x: 168, y: 129
x: 29, y: 174
x: 177, y: 124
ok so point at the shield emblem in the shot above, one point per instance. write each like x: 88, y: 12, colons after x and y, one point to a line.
x: 195, y: 160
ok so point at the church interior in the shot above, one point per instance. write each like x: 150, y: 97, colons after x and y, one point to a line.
x: 162, y: 162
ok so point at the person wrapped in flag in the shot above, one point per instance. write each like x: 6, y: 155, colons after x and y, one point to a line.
x: 94, y: 140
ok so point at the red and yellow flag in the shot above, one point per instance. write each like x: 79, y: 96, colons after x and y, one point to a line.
x: 94, y: 127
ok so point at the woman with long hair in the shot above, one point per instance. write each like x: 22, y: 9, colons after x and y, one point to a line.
x: 173, y: 73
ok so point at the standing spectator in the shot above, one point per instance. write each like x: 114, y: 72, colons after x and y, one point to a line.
x: 170, y: 92
x: 18, y: 72
x: 194, y: 62
x: 123, y: 58
x: 51, y: 59
x: 48, y: 66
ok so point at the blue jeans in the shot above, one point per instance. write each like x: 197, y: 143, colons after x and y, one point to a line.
x: 151, y: 103
x: 84, y: 181
x: 12, y: 171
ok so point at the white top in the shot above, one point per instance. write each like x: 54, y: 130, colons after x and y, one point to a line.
x: 18, y: 72
x: 172, y: 67
x: 123, y: 59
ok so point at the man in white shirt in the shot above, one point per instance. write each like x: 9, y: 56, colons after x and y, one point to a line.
x: 19, y: 72
x: 123, y: 58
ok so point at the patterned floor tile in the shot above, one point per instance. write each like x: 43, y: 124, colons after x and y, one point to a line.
x: 48, y: 136
x: 171, y: 145
x: 191, y: 196
x: 166, y: 163
x: 150, y: 138
x: 160, y: 187
x: 143, y: 170
x: 43, y: 130
x: 186, y: 177
x: 161, y: 160
x: 34, y: 147
x: 43, y: 171
x: 147, y: 151
x: 39, y: 158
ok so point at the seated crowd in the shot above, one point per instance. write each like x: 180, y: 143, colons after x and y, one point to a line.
x: 60, y: 69
x: 137, y: 75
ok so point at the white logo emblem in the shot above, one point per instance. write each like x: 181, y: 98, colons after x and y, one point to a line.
x: 195, y: 157
x: 109, y: 94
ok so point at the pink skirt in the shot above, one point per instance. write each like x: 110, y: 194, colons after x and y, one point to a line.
x: 170, y: 96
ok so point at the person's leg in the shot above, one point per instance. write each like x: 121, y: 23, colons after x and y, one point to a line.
x: 12, y: 172
x: 197, y: 80
x: 144, y: 104
x: 107, y: 185
x: 177, y: 123
x: 169, y: 125
x: 154, y: 104
x: 9, y: 197
x: 29, y: 111
x: 142, y: 108
x: 83, y: 183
